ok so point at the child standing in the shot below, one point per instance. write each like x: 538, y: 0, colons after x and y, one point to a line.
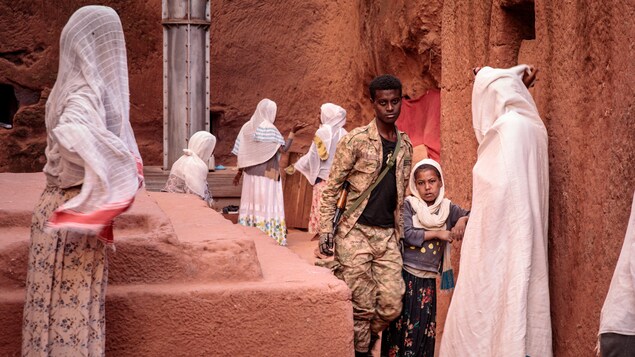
x: 431, y: 221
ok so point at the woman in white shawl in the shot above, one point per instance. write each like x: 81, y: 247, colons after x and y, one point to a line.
x: 258, y: 147
x: 500, y: 305
x: 189, y: 172
x: 617, y: 321
x: 93, y: 172
x: 316, y: 164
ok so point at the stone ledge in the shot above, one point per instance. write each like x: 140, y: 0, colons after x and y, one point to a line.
x: 194, y: 285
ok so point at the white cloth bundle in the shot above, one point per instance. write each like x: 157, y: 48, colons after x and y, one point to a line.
x: 192, y: 167
x: 311, y: 165
x: 90, y: 140
x: 258, y: 139
x: 500, y: 305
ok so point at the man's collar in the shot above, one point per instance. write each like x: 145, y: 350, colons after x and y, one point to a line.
x: 373, y: 132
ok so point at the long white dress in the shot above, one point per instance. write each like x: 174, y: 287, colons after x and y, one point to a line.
x: 500, y: 306
x: 261, y: 199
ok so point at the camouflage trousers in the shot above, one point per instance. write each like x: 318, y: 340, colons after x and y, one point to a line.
x: 370, y: 264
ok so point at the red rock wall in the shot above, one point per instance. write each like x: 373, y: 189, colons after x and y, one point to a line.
x: 29, y: 49
x: 586, y: 97
x: 298, y: 53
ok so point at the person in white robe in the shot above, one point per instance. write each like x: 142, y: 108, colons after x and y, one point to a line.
x: 258, y: 147
x: 617, y: 321
x: 315, y: 165
x: 500, y: 306
x: 189, y: 172
x: 93, y: 172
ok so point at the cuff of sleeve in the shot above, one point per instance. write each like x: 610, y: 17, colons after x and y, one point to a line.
x: 326, y: 228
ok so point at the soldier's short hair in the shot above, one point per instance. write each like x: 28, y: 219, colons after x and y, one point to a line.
x: 384, y: 82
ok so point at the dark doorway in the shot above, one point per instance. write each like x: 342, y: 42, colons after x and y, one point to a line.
x: 215, y: 119
x: 8, y: 106
x: 521, y: 15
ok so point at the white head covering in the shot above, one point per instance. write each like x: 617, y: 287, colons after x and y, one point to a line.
x: 432, y: 217
x: 192, y: 166
x: 90, y: 140
x: 504, y: 285
x: 497, y: 91
x: 258, y: 139
x: 333, y: 118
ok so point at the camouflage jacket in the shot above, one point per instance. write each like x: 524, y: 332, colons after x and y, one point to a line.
x: 358, y: 160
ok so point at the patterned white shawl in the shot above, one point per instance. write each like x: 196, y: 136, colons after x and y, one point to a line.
x: 258, y: 139
x: 90, y: 141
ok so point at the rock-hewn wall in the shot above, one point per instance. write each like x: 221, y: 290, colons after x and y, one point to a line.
x: 29, y: 49
x: 298, y: 53
x: 304, y: 53
x: 312, y: 52
x: 585, y: 96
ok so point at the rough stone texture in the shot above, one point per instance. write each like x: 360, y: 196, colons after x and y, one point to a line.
x: 311, y: 52
x: 303, y: 53
x: 298, y: 53
x: 585, y: 96
x: 186, y: 281
x: 29, y: 50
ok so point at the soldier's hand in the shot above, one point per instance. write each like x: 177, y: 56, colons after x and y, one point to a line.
x: 326, y: 244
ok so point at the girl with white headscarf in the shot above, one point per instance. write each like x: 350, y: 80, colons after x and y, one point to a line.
x: 431, y: 223
x: 93, y: 172
x: 500, y: 306
x: 316, y: 164
x: 258, y: 147
x: 189, y: 172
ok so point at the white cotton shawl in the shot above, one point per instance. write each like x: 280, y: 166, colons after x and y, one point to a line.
x: 192, y: 167
x: 333, y: 119
x: 500, y: 305
x: 258, y: 139
x: 431, y: 217
x: 89, y: 137
x: 618, y: 312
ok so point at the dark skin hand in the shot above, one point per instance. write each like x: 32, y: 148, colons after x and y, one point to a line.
x: 299, y: 126
x: 459, y: 228
x: 237, y: 177
x: 529, y: 77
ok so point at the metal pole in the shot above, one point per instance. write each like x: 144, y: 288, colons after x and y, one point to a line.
x: 185, y: 74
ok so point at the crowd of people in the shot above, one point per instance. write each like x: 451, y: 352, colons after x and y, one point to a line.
x: 390, y: 246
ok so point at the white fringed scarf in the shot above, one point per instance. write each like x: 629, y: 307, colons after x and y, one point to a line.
x: 89, y: 138
x: 258, y: 139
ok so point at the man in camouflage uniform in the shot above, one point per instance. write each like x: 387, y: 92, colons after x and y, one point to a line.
x: 367, y: 254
